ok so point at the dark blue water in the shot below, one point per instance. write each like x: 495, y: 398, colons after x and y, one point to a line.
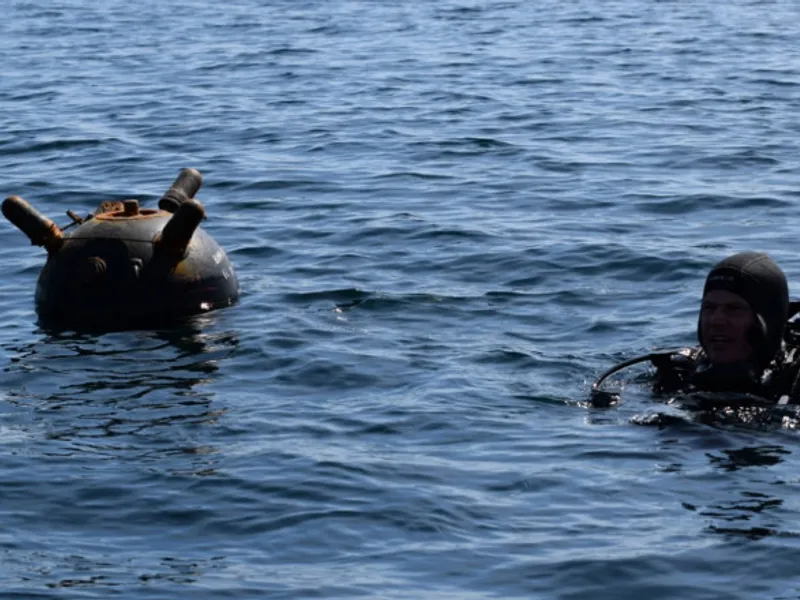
x: 447, y: 219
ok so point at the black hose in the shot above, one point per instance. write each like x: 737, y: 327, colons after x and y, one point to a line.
x: 632, y: 361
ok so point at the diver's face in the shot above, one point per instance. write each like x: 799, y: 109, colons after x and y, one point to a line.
x: 725, y: 323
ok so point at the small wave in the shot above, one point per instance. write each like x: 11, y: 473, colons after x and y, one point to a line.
x: 705, y: 202
x: 32, y: 147
x: 343, y: 297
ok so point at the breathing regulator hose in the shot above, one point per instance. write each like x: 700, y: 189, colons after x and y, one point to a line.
x: 600, y: 397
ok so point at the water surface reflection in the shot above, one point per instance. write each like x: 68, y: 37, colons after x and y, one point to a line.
x: 142, y: 393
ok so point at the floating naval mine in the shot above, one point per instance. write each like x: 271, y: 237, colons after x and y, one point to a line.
x: 128, y: 267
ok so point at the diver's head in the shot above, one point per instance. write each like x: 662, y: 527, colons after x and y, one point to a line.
x: 744, y: 310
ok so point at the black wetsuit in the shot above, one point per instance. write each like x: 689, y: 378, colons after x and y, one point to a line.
x: 689, y: 371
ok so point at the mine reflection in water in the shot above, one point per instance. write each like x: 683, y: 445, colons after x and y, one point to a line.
x: 135, y: 391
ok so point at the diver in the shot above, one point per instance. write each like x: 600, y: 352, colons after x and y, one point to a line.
x: 748, y: 345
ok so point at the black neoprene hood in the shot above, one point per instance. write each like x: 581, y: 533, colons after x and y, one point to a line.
x: 762, y: 284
